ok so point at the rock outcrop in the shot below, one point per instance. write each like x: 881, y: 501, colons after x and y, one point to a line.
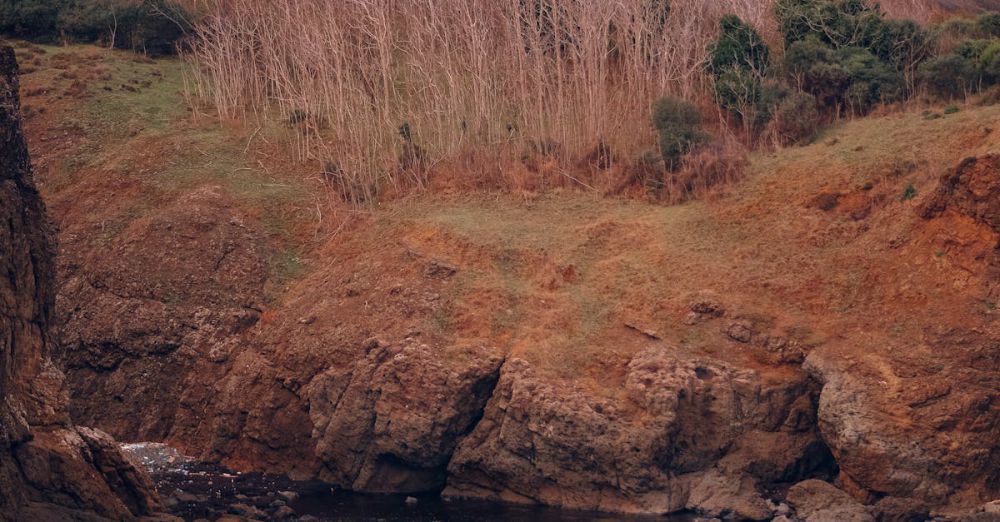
x: 920, y: 437
x: 680, y: 423
x: 391, y: 422
x: 972, y: 188
x: 176, y: 287
x: 49, y: 469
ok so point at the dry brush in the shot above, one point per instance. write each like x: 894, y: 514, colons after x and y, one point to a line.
x: 382, y: 90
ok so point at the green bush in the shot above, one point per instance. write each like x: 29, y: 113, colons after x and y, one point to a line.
x: 988, y: 24
x: 797, y: 119
x: 738, y: 62
x: 872, y: 81
x: 34, y: 19
x: 972, y: 66
x: 850, y: 78
x: 901, y: 43
x: 677, y: 122
x: 989, y: 64
x: 837, y: 24
x: 739, y: 46
x: 948, y: 76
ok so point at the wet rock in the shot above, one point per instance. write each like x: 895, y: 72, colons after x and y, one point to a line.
x: 544, y: 440
x: 391, y: 421
x: 247, y: 511
x: 284, y: 512
x: 818, y: 501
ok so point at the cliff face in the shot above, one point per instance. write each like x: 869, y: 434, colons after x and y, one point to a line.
x: 819, y: 322
x: 49, y: 469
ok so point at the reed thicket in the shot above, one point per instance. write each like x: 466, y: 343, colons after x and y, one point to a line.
x: 382, y: 90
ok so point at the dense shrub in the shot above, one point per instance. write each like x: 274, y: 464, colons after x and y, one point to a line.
x: 848, y: 78
x: 738, y: 62
x: 948, y: 76
x: 131, y: 24
x: 988, y: 24
x: 989, y: 63
x: 900, y: 43
x: 871, y: 81
x: 837, y: 24
x: 739, y: 46
x: 972, y: 66
x: 677, y: 122
x: 797, y: 119
x: 37, y: 19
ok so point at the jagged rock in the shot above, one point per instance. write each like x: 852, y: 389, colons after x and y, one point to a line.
x: 544, y: 440
x: 391, y: 421
x: 49, y: 469
x: 818, y: 501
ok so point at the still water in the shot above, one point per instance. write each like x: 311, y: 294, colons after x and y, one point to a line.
x: 352, y: 507
x: 195, y: 490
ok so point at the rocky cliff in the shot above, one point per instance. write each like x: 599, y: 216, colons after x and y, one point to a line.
x: 822, y: 343
x: 49, y: 468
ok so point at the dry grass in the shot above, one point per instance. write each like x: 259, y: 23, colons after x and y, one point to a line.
x: 468, y: 78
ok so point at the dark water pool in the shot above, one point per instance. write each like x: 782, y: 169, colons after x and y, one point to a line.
x: 202, y: 490
x: 352, y: 507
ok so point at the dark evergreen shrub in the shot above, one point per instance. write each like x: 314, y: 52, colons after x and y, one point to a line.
x: 677, y: 122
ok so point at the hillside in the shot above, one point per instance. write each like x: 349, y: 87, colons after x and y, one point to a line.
x: 832, y: 316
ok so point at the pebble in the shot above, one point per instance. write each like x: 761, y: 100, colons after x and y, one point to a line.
x: 411, y: 500
x: 284, y: 512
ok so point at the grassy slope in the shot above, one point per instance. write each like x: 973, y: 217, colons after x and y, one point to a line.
x: 554, y: 279
x: 111, y: 122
